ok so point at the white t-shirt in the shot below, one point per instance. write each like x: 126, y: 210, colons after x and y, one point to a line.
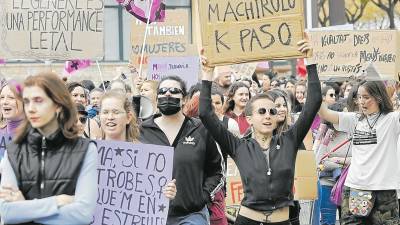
x: 374, y: 165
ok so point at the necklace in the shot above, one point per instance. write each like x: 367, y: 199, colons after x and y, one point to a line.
x: 373, y: 123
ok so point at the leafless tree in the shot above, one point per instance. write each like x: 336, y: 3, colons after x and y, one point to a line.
x: 389, y: 7
x: 353, y: 16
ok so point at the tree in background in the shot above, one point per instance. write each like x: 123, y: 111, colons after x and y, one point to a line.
x: 389, y: 7
x: 355, y: 10
x: 323, y: 9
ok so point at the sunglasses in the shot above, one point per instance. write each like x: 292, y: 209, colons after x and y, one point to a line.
x: 83, y: 119
x: 271, y: 112
x: 172, y: 90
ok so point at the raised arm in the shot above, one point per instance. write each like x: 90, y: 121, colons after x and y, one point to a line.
x: 227, y: 141
x: 328, y: 115
x: 310, y: 109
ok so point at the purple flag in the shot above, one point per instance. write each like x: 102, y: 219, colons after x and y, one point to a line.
x: 2, y: 61
x: 131, y: 180
x: 75, y: 65
x: 139, y: 8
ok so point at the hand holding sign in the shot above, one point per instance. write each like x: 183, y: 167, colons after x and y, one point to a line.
x: 133, y: 183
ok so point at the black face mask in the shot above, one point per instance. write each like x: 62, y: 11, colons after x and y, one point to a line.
x: 169, y: 105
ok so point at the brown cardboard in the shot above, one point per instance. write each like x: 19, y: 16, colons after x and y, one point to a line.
x: 305, y: 179
x: 305, y: 176
x: 74, y: 31
x: 168, y: 38
x: 269, y: 30
x: 343, y: 54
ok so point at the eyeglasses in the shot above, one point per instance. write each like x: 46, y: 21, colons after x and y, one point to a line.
x: 83, y: 119
x: 113, y: 112
x: 271, y: 112
x: 172, y: 90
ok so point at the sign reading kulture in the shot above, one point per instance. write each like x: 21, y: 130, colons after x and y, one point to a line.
x: 236, y: 31
x: 51, y: 29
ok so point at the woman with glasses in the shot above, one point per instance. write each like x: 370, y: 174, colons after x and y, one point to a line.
x: 119, y: 123
x: 49, y: 173
x: 197, y: 163
x: 328, y: 95
x: 82, y: 119
x: 266, y: 158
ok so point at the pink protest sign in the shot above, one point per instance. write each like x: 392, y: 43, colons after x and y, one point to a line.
x: 139, y: 9
x: 130, y: 182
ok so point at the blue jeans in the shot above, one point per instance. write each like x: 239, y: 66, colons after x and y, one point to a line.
x: 315, y: 220
x: 327, y: 208
x: 201, y: 217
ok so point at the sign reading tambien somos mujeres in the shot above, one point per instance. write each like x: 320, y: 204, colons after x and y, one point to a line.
x: 168, y: 38
x: 236, y: 31
x: 51, y: 29
x: 342, y: 54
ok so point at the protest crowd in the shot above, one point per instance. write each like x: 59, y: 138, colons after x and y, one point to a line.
x: 141, y: 151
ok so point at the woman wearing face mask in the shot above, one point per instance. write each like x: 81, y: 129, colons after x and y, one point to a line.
x: 238, y: 96
x: 374, y: 164
x: 197, y: 164
x: 11, y: 107
x: 266, y: 160
x: 119, y: 123
x: 49, y: 173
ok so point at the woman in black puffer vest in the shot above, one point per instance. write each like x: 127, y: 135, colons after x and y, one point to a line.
x: 49, y: 173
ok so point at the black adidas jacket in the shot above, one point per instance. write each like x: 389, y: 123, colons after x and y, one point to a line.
x: 265, y: 192
x: 197, y: 164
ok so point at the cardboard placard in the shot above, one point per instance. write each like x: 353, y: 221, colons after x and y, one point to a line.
x: 244, y: 69
x: 234, y: 187
x: 131, y: 179
x: 305, y: 176
x: 236, y: 31
x: 62, y: 30
x: 169, y: 38
x: 343, y: 54
x: 186, y: 67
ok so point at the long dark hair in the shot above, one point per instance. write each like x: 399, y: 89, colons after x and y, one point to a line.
x: 230, y: 104
x: 275, y: 94
x: 56, y: 90
x: 378, y: 91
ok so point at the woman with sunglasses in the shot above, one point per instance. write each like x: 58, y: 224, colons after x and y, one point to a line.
x: 82, y: 118
x: 197, y: 163
x: 49, y: 173
x: 265, y: 159
x: 328, y: 95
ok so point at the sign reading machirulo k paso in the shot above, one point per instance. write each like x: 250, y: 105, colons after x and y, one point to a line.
x: 235, y: 31
x: 342, y: 54
x: 55, y: 29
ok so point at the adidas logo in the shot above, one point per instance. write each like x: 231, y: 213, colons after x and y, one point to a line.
x: 189, y: 141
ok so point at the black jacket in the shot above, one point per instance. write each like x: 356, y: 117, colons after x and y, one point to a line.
x: 47, y: 167
x: 197, y: 164
x: 265, y: 192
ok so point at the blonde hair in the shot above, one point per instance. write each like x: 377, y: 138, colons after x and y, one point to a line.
x: 132, y: 128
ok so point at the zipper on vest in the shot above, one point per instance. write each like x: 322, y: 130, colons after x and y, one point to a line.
x: 43, y: 154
